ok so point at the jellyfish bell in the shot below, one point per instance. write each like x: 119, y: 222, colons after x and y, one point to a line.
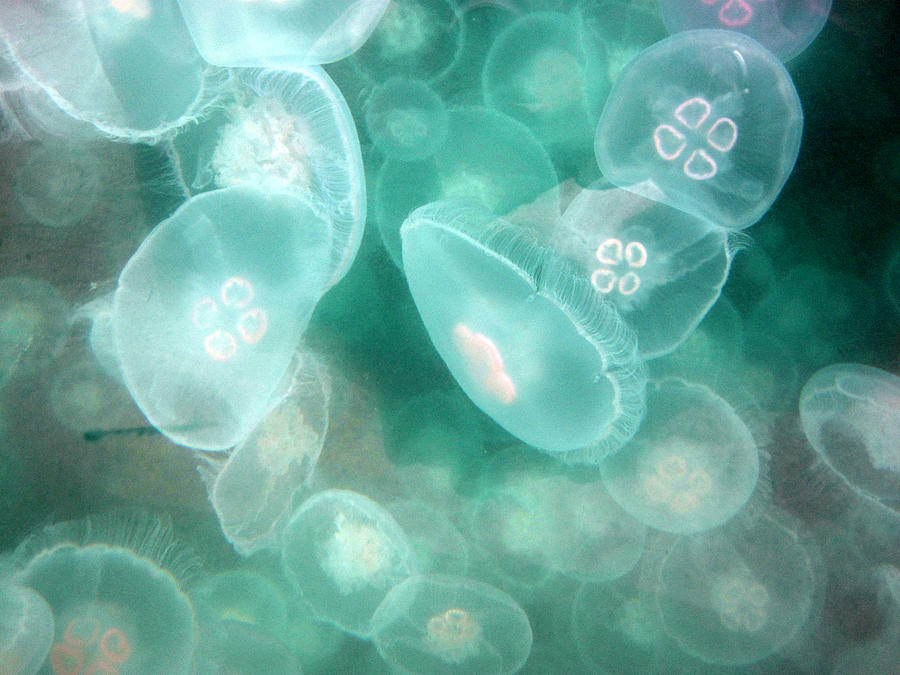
x: 26, y: 628
x: 209, y: 310
x: 406, y: 119
x: 528, y: 341
x: 706, y: 121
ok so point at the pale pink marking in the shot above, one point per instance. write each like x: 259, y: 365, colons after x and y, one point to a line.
x: 693, y: 112
x: 220, y: 345
x: 722, y: 135
x: 252, y: 325
x: 603, y: 280
x: 610, y: 252
x: 635, y: 254
x: 237, y: 292
x: 484, y: 362
x: 735, y: 13
x: 203, y: 313
x: 629, y: 283
x: 669, y: 141
x: 700, y: 166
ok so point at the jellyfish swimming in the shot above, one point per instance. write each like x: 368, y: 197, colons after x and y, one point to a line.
x: 706, y: 121
x: 527, y: 339
x: 851, y: 415
x: 692, y: 465
x: 784, y: 27
x: 438, y: 546
x: 241, y: 595
x: 662, y: 268
x: 444, y: 624
x: 272, y: 33
x: 282, y: 131
x: 344, y: 552
x: 406, y: 119
x: 209, y: 311
x: 26, y: 628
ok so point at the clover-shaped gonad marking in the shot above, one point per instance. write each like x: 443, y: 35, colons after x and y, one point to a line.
x: 249, y: 325
x: 673, y: 142
x: 620, y: 262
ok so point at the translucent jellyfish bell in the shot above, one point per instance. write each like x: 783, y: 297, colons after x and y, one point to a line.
x: 784, y: 27
x: 527, y: 340
x: 706, y: 121
x: 444, y: 624
x: 344, y: 552
x: 851, y: 416
x: 662, y: 268
x: 209, y: 310
x: 406, y: 119
x: 278, y: 33
x: 26, y: 629
x: 692, y: 465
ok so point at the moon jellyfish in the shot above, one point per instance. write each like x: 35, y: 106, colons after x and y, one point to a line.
x: 115, y: 611
x: 851, y: 416
x: 736, y: 594
x: 251, y: 491
x: 58, y: 184
x: 280, y: 34
x: 445, y: 624
x: 26, y: 629
x: 406, y: 120
x: 209, y: 310
x: 244, y: 596
x: 662, y: 268
x: 784, y: 27
x: 706, y: 121
x: 344, y: 552
x: 527, y: 339
x: 488, y: 158
x: 692, y: 465
x: 32, y: 326
x: 438, y: 546
x: 283, y: 132
x: 128, y: 68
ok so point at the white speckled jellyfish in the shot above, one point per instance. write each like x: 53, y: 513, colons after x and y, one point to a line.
x: 527, y: 339
x: 344, y: 552
x: 851, y: 416
x: 210, y: 309
x: 444, y: 624
x: 26, y: 628
x: 692, y: 465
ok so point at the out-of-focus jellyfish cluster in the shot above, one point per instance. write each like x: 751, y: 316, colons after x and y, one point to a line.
x: 432, y: 336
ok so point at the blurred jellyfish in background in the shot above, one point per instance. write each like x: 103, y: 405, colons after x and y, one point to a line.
x: 445, y: 624
x: 784, y: 27
x: 879, y: 654
x: 739, y: 593
x: 252, y: 488
x: 851, y: 416
x: 128, y: 68
x: 489, y: 158
x: 283, y: 131
x: 705, y: 121
x: 344, y: 552
x: 32, y: 327
x: 527, y: 340
x: 209, y: 310
x: 26, y: 627
x: 406, y: 120
x: 438, y: 546
x: 663, y: 269
x: 692, y: 465
x: 277, y: 33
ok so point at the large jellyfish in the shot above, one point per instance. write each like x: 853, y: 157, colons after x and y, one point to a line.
x: 283, y: 132
x: 251, y: 491
x: 209, y: 310
x: 851, y: 416
x: 443, y: 624
x: 692, y: 465
x: 127, y: 67
x: 344, y: 552
x: 526, y: 338
x: 706, y: 121
x: 26, y: 628
x: 280, y: 34
x: 739, y: 593
x: 662, y: 268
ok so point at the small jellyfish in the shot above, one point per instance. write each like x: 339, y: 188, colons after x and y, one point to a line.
x: 251, y: 491
x: 444, y: 624
x: 210, y: 309
x: 526, y: 338
x: 279, y: 34
x: 58, y: 184
x: 784, y: 27
x: 344, y: 552
x: 851, y: 415
x: 243, y: 596
x: 736, y: 594
x: 282, y: 131
x: 32, y: 326
x: 662, y: 268
x: 407, y: 120
x: 706, y: 121
x: 692, y: 465
x: 26, y: 629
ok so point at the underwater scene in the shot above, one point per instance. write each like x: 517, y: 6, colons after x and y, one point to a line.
x: 449, y: 337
